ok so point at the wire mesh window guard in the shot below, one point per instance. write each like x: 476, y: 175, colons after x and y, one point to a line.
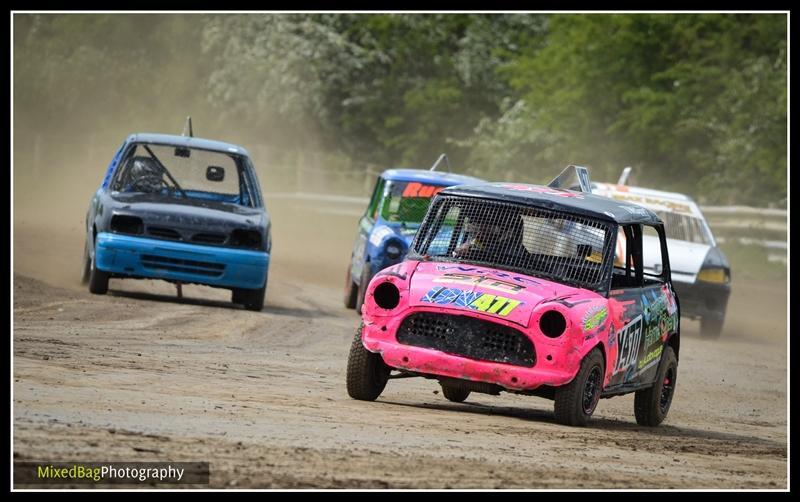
x: 536, y: 241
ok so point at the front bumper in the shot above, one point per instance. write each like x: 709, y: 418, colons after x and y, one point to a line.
x: 553, y: 367
x: 131, y: 256
x: 703, y: 299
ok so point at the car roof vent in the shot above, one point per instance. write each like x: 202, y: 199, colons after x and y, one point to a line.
x: 573, y: 178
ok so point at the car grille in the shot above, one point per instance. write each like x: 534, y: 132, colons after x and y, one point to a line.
x: 209, y: 238
x: 468, y: 337
x: 179, y: 265
x: 163, y: 233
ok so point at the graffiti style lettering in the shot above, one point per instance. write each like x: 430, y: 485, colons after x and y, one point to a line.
x: 653, y: 335
x: 482, y: 302
x: 628, y: 339
x: 483, y: 281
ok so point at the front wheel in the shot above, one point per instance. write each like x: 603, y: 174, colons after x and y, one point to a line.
x: 367, y: 374
x: 455, y: 393
x: 576, y: 401
x: 252, y: 299
x: 98, y: 280
x: 652, y: 404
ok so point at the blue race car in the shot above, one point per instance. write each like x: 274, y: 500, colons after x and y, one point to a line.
x: 396, y: 209
x: 181, y: 209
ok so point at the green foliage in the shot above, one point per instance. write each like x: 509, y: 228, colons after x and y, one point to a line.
x: 695, y: 102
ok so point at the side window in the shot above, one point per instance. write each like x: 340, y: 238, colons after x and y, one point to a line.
x: 628, y: 258
x: 653, y: 259
x: 374, y: 202
x: 443, y: 239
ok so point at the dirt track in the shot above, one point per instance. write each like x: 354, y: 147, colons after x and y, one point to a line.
x: 140, y: 375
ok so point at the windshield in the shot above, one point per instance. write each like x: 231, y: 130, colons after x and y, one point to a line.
x: 407, y: 201
x: 535, y: 241
x: 180, y: 172
x: 683, y: 227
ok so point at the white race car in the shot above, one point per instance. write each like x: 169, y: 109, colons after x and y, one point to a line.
x: 701, y: 273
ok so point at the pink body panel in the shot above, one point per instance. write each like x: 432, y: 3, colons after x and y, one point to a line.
x: 506, y: 298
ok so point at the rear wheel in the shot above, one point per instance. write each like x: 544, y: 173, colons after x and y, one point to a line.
x: 455, y: 393
x: 711, y: 328
x: 367, y: 374
x: 366, y: 276
x: 576, y: 401
x: 350, y: 290
x: 652, y: 404
x: 98, y: 280
x: 86, y: 266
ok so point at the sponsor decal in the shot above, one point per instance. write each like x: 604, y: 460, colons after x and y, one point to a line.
x: 473, y: 300
x: 651, y: 357
x: 543, y: 190
x: 415, y: 189
x: 482, y: 281
x: 594, y: 317
x: 378, y: 234
x: 652, y: 335
x: 496, y: 273
x: 628, y: 338
x: 650, y: 201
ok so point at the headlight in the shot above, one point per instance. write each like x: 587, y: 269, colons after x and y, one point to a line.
x: 246, y: 238
x: 125, y: 224
x: 552, y: 324
x: 718, y: 275
x: 393, y: 250
x: 387, y: 296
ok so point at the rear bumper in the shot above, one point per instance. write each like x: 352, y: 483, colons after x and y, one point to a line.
x: 127, y: 255
x: 703, y: 299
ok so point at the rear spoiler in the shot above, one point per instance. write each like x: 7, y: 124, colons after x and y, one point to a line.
x: 573, y: 178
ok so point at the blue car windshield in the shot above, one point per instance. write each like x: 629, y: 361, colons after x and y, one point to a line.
x: 181, y: 172
x: 407, y: 201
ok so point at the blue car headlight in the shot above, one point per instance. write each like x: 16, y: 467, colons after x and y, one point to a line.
x: 394, y: 250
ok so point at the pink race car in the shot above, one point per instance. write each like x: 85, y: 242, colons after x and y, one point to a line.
x: 527, y: 289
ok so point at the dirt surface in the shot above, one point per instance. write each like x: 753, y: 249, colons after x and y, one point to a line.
x: 138, y: 375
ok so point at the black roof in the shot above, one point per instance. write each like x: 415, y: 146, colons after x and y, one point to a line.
x: 556, y: 199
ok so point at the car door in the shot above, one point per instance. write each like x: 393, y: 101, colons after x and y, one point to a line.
x: 643, y: 306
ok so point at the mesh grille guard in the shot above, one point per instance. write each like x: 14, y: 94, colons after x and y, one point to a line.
x: 533, y: 240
